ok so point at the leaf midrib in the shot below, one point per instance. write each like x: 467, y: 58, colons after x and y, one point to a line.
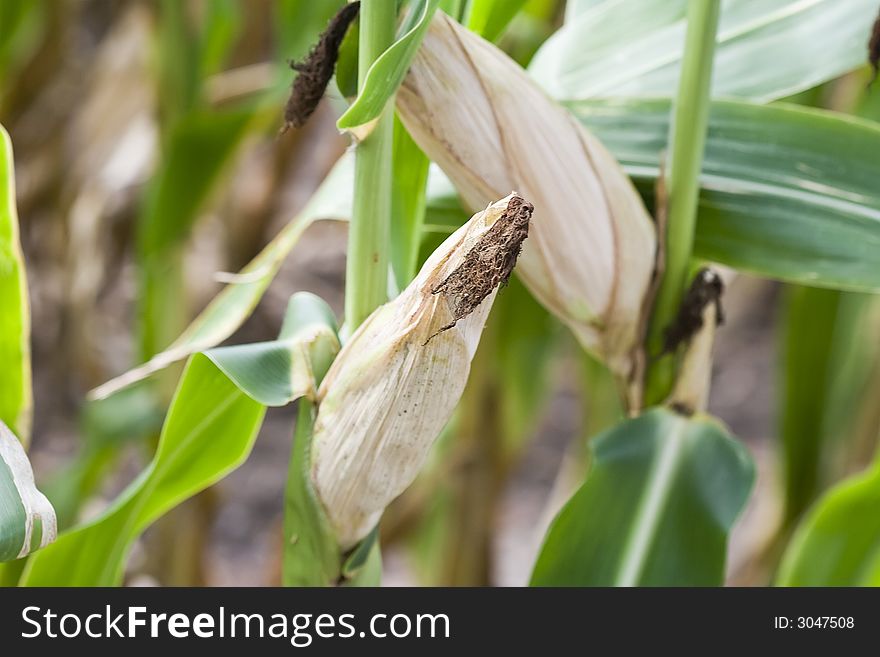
x: 156, y: 476
x: 655, y: 496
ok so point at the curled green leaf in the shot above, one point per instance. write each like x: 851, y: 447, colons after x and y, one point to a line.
x: 388, y: 71
x: 27, y: 519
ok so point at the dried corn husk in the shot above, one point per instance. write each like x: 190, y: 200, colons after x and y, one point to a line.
x: 591, y: 253
x: 396, y: 382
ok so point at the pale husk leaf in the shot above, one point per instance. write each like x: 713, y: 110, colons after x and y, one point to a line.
x: 591, y: 252
x: 391, y: 390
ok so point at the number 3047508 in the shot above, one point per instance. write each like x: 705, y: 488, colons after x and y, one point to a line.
x: 823, y: 622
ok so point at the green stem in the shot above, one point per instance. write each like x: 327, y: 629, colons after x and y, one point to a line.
x: 408, y: 205
x: 688, y: 137
x: 311, y: 555
x: 455, y: 8
x: 366, y: 273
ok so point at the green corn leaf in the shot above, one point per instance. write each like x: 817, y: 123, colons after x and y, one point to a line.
x: 220, y: 28
x: 766, y: 50
x: 199, y: 148
x: 178, y: 60
x: 574, y: 8
x: 24, y: 23
x: 655, y: 510
x: 786, y: 192
x: 347, y: 63
x: 27, y: 519
x: 298, y: 23
x: 454, y: 8
x: 488, y: 18
x: 190, y: 49
x: 825, y: 366
x: 312, y: 557
x: 408, y: 188
x: 602, y: 404
x: 232, y: 306
x: 275, y: 373
x: 838, y: 542
x: 209, y: 431
x: 388, y: 71
x: 364, y: 566
x: 134, y: 415
x: 236, y: 302
x: 807, y: 346
x: 15, y: 357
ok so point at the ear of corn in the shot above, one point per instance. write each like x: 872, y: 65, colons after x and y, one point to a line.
x: 591, y: 253
x: 396, y: 382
